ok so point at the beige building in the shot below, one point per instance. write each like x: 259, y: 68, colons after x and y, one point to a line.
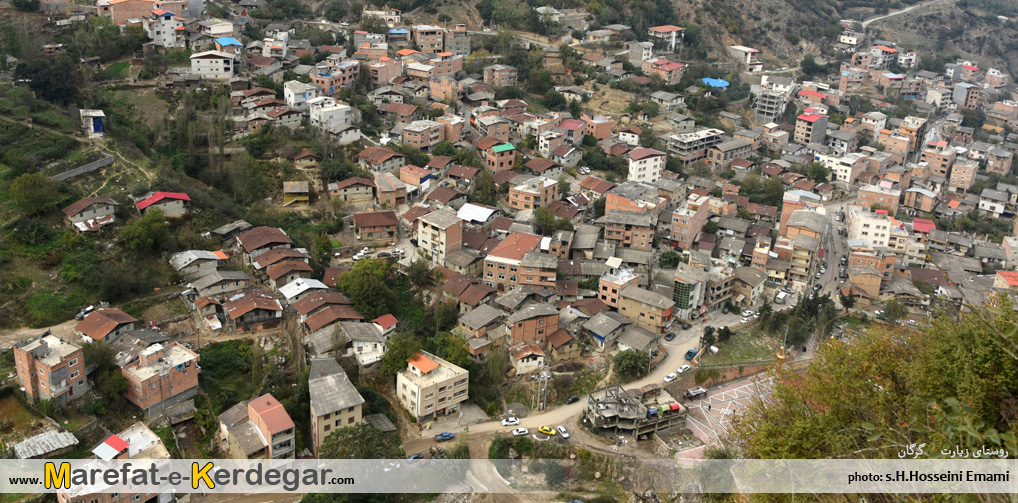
x: 439, y: 233
x: 335, y: 403
x: 431, y: 386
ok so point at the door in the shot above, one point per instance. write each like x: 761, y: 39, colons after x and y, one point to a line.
x: 97, y: 124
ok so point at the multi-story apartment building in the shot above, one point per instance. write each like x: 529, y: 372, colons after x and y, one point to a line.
x: 532, y: 323
x: 457, y: 40
x: 337, y: 75
x: 670, y: 72
x: 383, y: 70
x: 879, y: 195
x: 873, y: 226
x: 431, y: 386
x: 297, y: 93
x: 614, y: 279
x: 666, y: 34
x: 649, y: 310
x: 50, y: 368
x: 628, y: 229
x: 535, y: 192
x: 940, y: 157
x: 137, y: 442
x: 998, y: 160
x: 689, y: 291
x: 966, y: 95
x: 645, y: 164
x: 445, y: 64
x: 691, y: 147
x: 165, y: 29
x: 797, y: 200
x: 963, y: 175
x: 423, y: 134
x: 538, y: 270
x: 439, y: 233
x: 500, y: 75
x: 498, y: 156
x: 162, y: 376
x: 810, y: 128
x: 721, y: 155
x: 335, y: 402
x: 688, y: 219
x: 259, y: 429
x: 502, y: 265
x: 325, y: 113
x: 213, y: 64
x: 429, y: 39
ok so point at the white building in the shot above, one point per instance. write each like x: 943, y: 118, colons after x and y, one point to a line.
x: 276, y: 46
x: 875, y: 228
x: 431, y: 386
x: 297, y: 93
x: 165, y: 29
x: 645, y: 165
x: 213, y: 64
x: 326, y: 113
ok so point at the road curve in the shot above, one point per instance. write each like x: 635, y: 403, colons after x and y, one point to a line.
x: 895, y: 13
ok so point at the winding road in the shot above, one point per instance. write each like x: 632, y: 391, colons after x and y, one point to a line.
x: 895, y: 13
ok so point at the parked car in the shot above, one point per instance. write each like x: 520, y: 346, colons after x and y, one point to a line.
x: 686, y: 326
x: 384, y: 255
x: 416, y: 456
x: 690, y: 354
x: 747, y: 313
x: 670, y: 336
x: 547, y: 430
x: 520, y: 432
x: 413, y: 242
x: 573, y: 399
x: 817, y: 275
x: 683, y: 369
x: 844, y: 260
x: 445, y: 436
x: 562, y: 431
x: 510, y: 421
x: 671, y: 377
x: 745, y: 320
x: 756, y: 314
x: 725, y: 310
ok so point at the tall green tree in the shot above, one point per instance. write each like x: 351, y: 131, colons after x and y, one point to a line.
x: 631, y: 363
x: 34, y: 193
x: 367, y: 288
x: 147, y: 233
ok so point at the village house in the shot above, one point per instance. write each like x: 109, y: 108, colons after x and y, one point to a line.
x: 355, y: 191
x: 172, y: 204
x: 335, y: 402
x: 391, y: 192
x: 91, y: 213
x: 104, y: 325
x: 374, y: 226
x: 193, y: 264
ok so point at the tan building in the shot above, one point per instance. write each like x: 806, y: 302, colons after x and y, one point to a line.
x: 50, y: 368
x: 335, y: 402
x: 439, y: 233
x: 998, y: 160
x: 536, y: 192
x: 502, y: 265
x: 354, y: 191
x: 810, y: 128
x: 161, y: 377
x: 431, y: 387
x: 649, y: 310
x: 940, y: 156
x: 688, y: 219
x: 91, y: 213
x: 628, y: 229
x: 538, y: 270
x: 390, y: 190
x: 613, y: 281
x: 884, y: 197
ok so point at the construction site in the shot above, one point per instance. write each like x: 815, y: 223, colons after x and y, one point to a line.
x: 636, y: 411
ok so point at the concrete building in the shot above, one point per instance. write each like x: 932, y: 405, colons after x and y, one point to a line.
x: 163, y: 376
x: 645, y: 165
x: 629, y: 229
x: 534, y: 193
x: 648, y: 310
x: 431, y: 386
x: 335, y: 402
x: 879, y: 195
x: 259, y: 429
x: 688, y: 219
x: 810, y: 128
x: 439, y: 233
x: 50, y: 368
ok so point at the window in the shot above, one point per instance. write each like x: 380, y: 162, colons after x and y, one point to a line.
x: 349, y: 421
x: 75, y: 374
x: 73, y: 362
x: 328, y: 427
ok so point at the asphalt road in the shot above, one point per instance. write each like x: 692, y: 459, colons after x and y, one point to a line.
x: 902, y: 11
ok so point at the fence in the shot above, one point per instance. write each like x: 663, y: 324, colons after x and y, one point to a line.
x: 80, y: 170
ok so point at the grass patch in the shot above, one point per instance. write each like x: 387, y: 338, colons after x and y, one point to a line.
x: 71, y: 419
x: 231, y: 371
x: 17, y: 414
x: 743, y: 346
x: 115, y: 70
x: 169, y: 440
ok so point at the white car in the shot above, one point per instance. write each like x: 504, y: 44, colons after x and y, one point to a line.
x: 520, y: 432
x: 747, y: 313
x: 683, y: 369
x: 562, y: 431
x: 878, y: 313
x: 745, y: 320
x: 671, y: 377
x: 756, y: 314
x: 510, y: 421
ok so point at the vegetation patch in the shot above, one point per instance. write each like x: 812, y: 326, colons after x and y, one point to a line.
x: 231, y: 371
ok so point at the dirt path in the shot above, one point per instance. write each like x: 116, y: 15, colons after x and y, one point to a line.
x: 64, y: 330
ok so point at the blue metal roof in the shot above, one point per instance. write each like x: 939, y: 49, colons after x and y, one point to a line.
x: 227, y: 41
x: 399, y: 31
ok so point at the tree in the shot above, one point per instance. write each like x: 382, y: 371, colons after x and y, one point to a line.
x: 554, y: 474
x: 54, y: 78
x: 669, y: 259
x: 599, y: 205
x: 485, y: 192
x: 34, y: 193
x: 366, y: 285
x: 148, y: 233
x: 545, y: 220
x: 809, y: 66
x: 445, y: 148
x: 894, y: 311
x: 631, y: 363
x: 847, y: 301
x: 400, y: 348
x: 711, y: 227
x: 817, y: 172
x: 26, y: 5
x: 418, y: 273
x: 890, y: 388
x: 361, y: 442
x: 724, y: 333
x: 563, y: 187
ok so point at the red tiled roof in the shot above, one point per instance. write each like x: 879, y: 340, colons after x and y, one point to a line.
x: 642, y: 153
x: 377, y: 155
x: 159, y: 196
x: 540, y: 165
x: 464, y: 172
x: 516, y: 245
x: 279, y: 270
x: 923, y: 225
x: 375, y: 219
x: 354, y: 180
x: 99, y: 324
x: 385, y: 321
x: 272, y: 413
x: 423, y: 363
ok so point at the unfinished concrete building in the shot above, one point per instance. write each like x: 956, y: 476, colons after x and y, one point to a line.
x: 636, y: 411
